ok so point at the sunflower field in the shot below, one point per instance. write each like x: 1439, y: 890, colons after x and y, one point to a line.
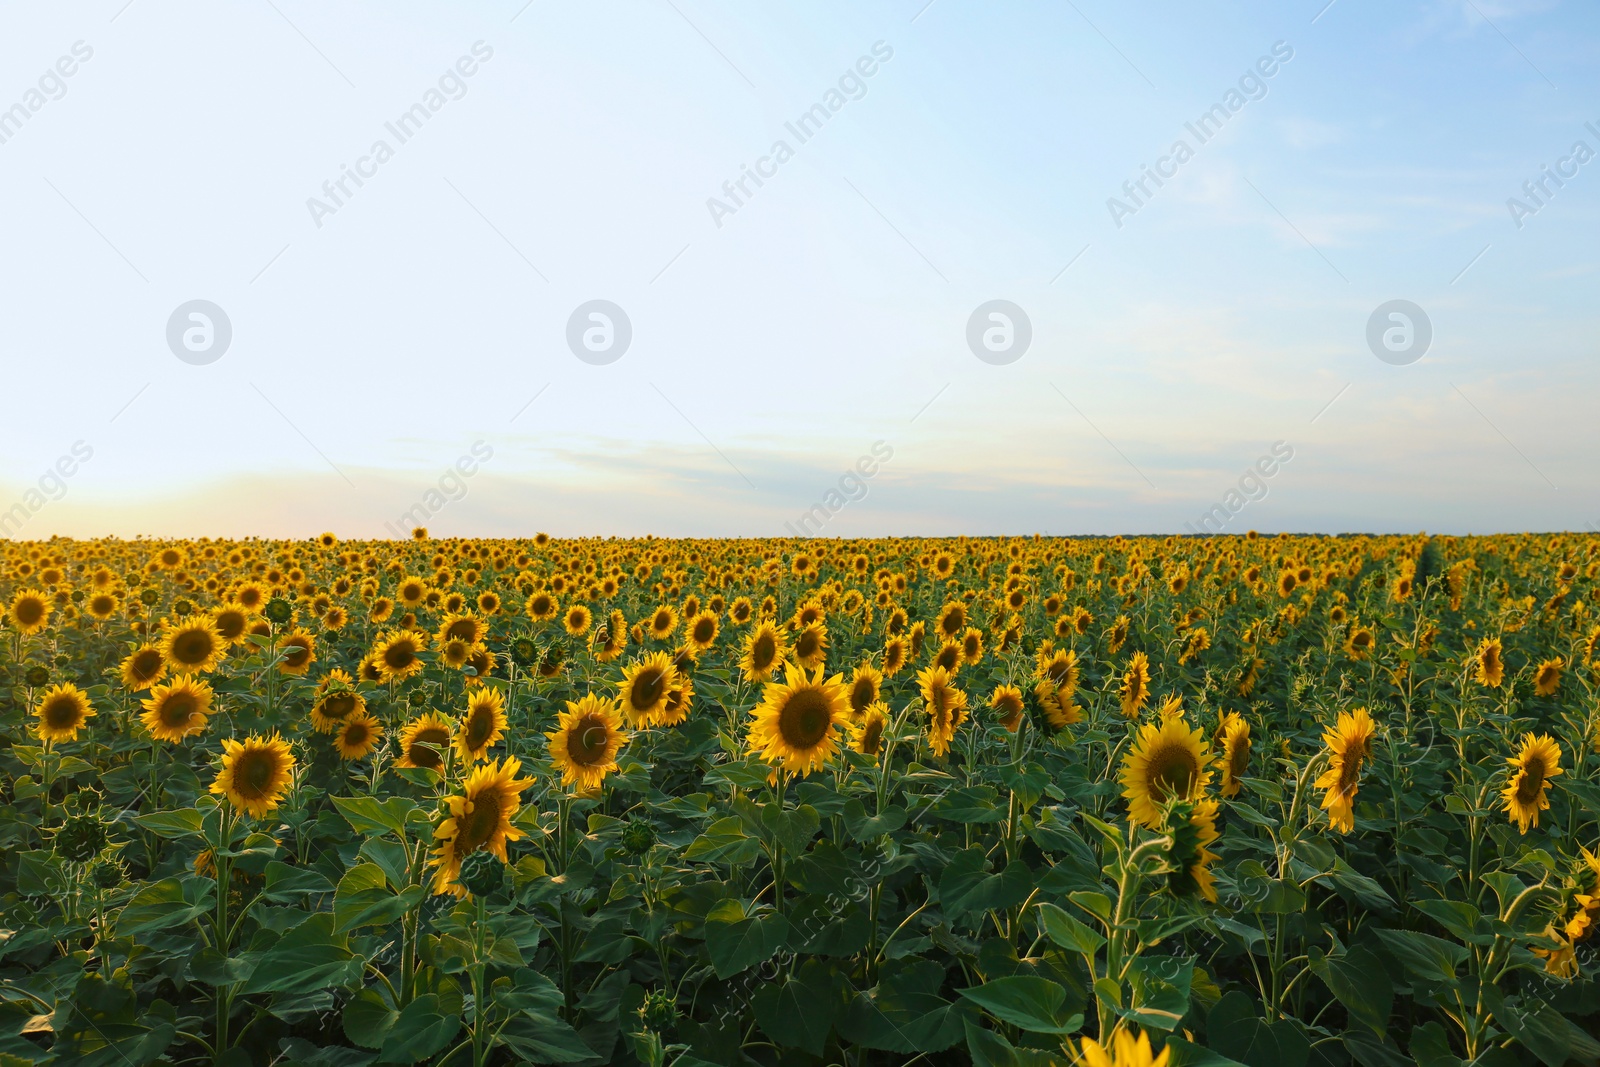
x: 1267, y: 800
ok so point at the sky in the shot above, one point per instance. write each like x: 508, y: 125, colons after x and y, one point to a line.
x: 821, y: 351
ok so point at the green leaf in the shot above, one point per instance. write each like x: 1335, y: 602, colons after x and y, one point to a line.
x: 964, y: 887
x: 368, y: 1017
x: 799, y: 1012
x: 862, y: 828
x: 172, y: 825
x: 286, y: 883
x: 420, y: 1031
x: 794, y: 828
x: 740, y: 945
x: 1096, y: 904
x: 165, y: 904
x: 1358, y: 980
x: 1234, y: 1030
x: 369, y: 816
x: 1181, y: 1053
x: 1160, y: 986
x: 1024, y: 1001
x: 989, y: 1049
x: 725, y: 841
x: 1458, y: 917
x: 971, y: 804
x: 365, y: 899
x: 1068, y: 932
x: 1424, y: 955
x: 307, y: 958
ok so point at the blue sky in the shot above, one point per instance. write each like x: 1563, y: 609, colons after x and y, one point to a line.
x: 773, y: 346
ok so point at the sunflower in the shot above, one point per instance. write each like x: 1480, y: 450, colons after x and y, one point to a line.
x: 357, y: 736
x: 952, y: 619
x: 1547, y: 678
x: 482, y: 725
x: 142, y: 668
x: 972, y: 646
x: 1359, y: 644
x: 232, y: 622
x: 811, y: 645
x: 663, y: 621
x: 397, y: 655
x: 948, y: 658
x: 613, y: 638
x: 764, y: 649
x: 194, y: 645
x: 797, y: 722
x: 1531, y: 771
x: 1126, y: 1051
x: 1059, y: 708
x: 541, y: 606
x: 679, y: 699
x: 29, y: 613
x: 946, y: 706
x: 577, y: 620
x: 255, y: 773
x: 102, y: 606
x: 298, y: 649
x: 1135, y: 685
x: 62, y: 711
x: 411, y: 592
x: 866, y: 733
x: 894, y: 656
x: 480, y: 818
x: 1235, y: 760
x: 1350, y: 742
x: 462, y: 627
x: 1117, y: 635
x: 1193, y: 827
x: 586, y: 741
x: 424, y: 741
x: 482, y: 662
x: 1059, y: 667
x: 1006, y: 700
x: 1168, y: 763
x: 176, y: 711
x: 1490, y: 670
x: 865, y: 686
x: 702, y: 631
x: 646, y: 688
x: 454, y: 652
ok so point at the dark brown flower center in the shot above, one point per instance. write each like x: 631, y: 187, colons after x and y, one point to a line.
x: 804, y: 719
